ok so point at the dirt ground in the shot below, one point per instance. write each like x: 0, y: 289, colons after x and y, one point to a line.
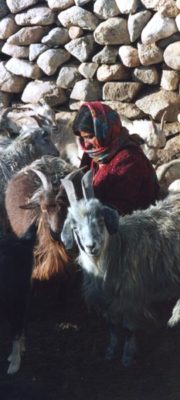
x: 64, y: 358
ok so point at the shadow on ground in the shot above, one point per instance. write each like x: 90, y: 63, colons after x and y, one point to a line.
x: 64, y: 357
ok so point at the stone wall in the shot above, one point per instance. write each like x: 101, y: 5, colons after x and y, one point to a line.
x: 124, y: 52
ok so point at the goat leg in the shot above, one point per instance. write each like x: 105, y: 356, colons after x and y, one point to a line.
x: 18, y: 347
x: 129, y: 350
x: 113, y: 348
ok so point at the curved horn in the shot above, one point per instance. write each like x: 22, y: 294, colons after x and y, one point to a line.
x: 72, y: 174
x: 4, y: 114
x: 165, y: 168
x: 87, y: 187
x: 154, y: 124
x: 70, y: 190
x: 45, y: 120
x: 162, y: 123
x: 46, y: 185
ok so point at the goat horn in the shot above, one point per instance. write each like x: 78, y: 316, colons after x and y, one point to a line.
x: 4, y: 114
x: 163, y: 120
x: 87, y: 187
x: 165, y: 167
x: 70, y: 190
x: 36, y: 119
x: 73, y: 173
x: 154, y: 124
x: 46, y: 185
x: 45, y: 120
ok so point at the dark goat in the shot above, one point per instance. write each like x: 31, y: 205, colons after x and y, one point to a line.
x: 26, y: 148
x: 16, y: 263
x: 35, y: 193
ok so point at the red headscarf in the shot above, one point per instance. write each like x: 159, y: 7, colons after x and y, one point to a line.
x: 108, y: 130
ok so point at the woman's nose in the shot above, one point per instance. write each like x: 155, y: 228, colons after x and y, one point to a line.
x: 87, y: 143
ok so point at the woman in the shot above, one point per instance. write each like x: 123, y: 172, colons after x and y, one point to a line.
x: 123, y: 177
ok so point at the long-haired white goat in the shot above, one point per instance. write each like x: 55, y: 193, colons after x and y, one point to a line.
x: 129, y: 263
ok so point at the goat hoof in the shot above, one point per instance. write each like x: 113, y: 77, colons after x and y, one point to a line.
x: 127, y: 361
x: 14, y: 367
x: 111, y: 353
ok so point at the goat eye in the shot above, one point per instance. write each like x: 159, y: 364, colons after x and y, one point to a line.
x: 45, y: 135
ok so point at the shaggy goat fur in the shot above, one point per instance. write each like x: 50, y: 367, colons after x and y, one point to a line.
x: 47, y: 207
x: 129, y: 262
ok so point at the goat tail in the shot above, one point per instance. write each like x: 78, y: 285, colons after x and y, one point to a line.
x: 50, y: 256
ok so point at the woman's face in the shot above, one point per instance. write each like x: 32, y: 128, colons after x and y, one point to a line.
x: 88, y: 140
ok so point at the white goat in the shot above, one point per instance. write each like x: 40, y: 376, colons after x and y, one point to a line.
x: 129, y: 263
x: 13, y: 120
x: 152, y: 134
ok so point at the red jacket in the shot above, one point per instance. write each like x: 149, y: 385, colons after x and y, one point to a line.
x: 128, y: 182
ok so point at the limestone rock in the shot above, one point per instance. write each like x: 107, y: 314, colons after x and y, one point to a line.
x: 172, y: 56
x: 23, y: 68
x: 51, y: 59
x: 105, y: 9
x: 26, y: 36
x: 7, y: 27
x: 129, y: 56
x: 86, y: 90
x: 116, y: 72
x: 60, y: 4
x: 159, y: 27
x: 18, y: 5
x: 56, y: 37
x: 108, y: 55
x: 35, y: 50
x: 111, y: 32
x: 78, y: 16
x: 15, y: 51
x: 156, y: 103
x: 81, y: 48
x: 146, y: 75
x: 168, y: 8
x: 9, y: 82
x: 75, y: 32
x: 127, y: 6
x: 36, y: 16
x: 149, y: 54
x: 128, y: 110
x: 88, y: 69
x: 43, y: 90
x: 68, y: 76
x: 121, y: 91
x: 149, y: 3
x: 178, y: 22
x: 170, y: 80
x: 136, y: 23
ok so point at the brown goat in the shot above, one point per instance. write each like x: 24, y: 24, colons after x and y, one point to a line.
x: 35, y: 194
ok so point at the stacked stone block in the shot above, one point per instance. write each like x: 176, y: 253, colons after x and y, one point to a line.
x: 125, y: 53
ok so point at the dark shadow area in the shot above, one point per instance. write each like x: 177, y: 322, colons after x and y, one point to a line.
x: 64, y: 359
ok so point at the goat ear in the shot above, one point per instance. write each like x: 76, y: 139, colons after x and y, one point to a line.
x: 67, y: 235
x: 111, y: 219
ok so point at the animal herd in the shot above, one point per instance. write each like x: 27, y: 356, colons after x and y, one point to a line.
x: 47, y: 207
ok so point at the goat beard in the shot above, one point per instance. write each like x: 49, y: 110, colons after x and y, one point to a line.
x: 50, y: 256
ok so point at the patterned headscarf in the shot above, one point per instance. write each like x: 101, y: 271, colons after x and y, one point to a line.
x: 110, y: 136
